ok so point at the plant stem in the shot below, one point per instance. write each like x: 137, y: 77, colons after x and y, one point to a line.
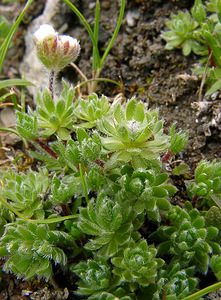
x: 46, y: 148
x: 93, y: 85
x: 14, y: 98
x: 10, y: 130
x: 98, y: 79
x: 81, y: 74
x: 52, y: 220
x: 43, y: 221
x: 51, y: 83
x: 83, y: 183
x: 204, y: 78
x: 203, y: 292
x: 79, y: 71
x: 66, y: 209
x: 167, y: 156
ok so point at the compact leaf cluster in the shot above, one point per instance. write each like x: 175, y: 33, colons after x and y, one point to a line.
x: 101, y: 195
x: 31, y: 249
x: 199, y: 32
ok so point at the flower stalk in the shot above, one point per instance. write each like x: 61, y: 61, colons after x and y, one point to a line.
x: 51, y: 83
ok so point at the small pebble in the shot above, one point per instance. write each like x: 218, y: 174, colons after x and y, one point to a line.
x: 132, y: 17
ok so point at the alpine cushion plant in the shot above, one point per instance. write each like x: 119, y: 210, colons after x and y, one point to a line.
x: 137, y: 264
x: 92, y: 110
x: 108, y: 223
x: 206, y: 186
x: 31, y: 248
x: 175, y: 282
x: 148, y: 190
x: 98, y: 282
x: 95, y: 277
x: 133, y: 134
x: 180, y: 33
x: 55, y: 116
x: 198, y: 31
x: 184, y: 28
x: 26, y: 191
x: 100, y: 167
x: 188, y: 238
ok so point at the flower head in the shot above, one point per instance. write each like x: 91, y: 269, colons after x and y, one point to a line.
x: 55, y: 51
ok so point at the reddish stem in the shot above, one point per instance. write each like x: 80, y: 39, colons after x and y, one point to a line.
x: 212, y: 61
x: 167, y: 156
x: 46, y: 148
x: 194, y: 200
x: 66, y: 210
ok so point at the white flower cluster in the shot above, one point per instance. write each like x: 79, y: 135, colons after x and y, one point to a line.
x: 55, y: 51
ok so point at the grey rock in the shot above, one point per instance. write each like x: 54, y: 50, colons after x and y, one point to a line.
x: 132, y: 17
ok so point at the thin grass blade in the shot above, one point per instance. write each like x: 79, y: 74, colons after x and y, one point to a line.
x: 114, y: 36
x: 14, y: 82
x: 5, y: 45
x: 96, y: 60
x: 86, y: 25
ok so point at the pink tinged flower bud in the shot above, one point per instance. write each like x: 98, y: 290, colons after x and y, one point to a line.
x: 66, y: 47
x: 70, y: 48
x: 55, y: 51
